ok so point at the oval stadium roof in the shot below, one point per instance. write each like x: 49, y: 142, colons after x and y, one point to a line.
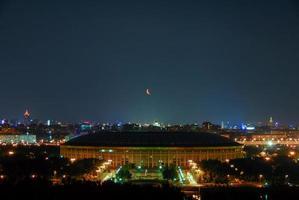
x: 151, y: 139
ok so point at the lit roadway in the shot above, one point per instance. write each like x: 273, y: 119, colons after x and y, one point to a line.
x: 267, y: 142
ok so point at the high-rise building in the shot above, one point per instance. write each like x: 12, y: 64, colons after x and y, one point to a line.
x: 270, y: 123
x: 222, y: 125
x: 26, y: 114
x: 26, y: 117
x: 271, y: 120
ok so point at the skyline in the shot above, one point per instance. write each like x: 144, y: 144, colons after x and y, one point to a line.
x: 228, y: 61
x: 228, y: 124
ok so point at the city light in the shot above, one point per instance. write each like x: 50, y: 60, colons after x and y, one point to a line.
x: 267, y: 158
x: 179, y: 100
x: 270, y: 143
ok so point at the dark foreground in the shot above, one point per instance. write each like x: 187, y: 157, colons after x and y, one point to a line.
x: 250, y: 193
x: 42, y: 190
x: 39, y: 189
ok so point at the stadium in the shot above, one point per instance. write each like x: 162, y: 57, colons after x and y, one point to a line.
x: 152, y: 149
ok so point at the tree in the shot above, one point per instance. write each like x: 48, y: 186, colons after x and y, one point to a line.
x: 124, y: 173
x: 84, y: 166
x: 170, y: 172
x: 215, y: 171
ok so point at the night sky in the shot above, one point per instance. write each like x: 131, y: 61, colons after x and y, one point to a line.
x: 202, y: 60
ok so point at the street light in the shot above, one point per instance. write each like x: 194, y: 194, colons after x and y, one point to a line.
x: 260, y: 177
x: 267, y: 158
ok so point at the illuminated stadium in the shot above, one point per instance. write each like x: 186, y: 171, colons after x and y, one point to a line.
x: 151, y: 149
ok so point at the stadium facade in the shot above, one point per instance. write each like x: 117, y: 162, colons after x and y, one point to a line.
x: 152, y: 149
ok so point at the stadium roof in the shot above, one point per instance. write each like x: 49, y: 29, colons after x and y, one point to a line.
x: 151, y: 139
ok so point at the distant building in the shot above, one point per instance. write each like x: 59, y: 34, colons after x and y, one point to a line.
x: 26, y: 118
x: 222, y: 125
x: 271, y: 122
x: 210, y: 126
x: 19, y: 138
x: 11, y: 135
x: 270, y: 136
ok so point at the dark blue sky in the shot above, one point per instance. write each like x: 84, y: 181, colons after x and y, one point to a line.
x: 203, y: 60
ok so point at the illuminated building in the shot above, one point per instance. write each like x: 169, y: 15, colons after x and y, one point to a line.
x: 270, y: 123
x: 17, y: 138
x: 86, y: 126
x: 222, y: 125
x: 26, y: 117
x: 26, y: 114
x: 13, y: 136
x: 152, y: 149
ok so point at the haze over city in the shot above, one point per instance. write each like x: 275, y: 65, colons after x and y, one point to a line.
x: 202, y: 60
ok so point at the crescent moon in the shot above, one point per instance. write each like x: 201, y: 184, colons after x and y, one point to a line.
x: 148, y: 92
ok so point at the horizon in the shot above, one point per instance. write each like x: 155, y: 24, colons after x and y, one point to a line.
x: 95, y: 121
